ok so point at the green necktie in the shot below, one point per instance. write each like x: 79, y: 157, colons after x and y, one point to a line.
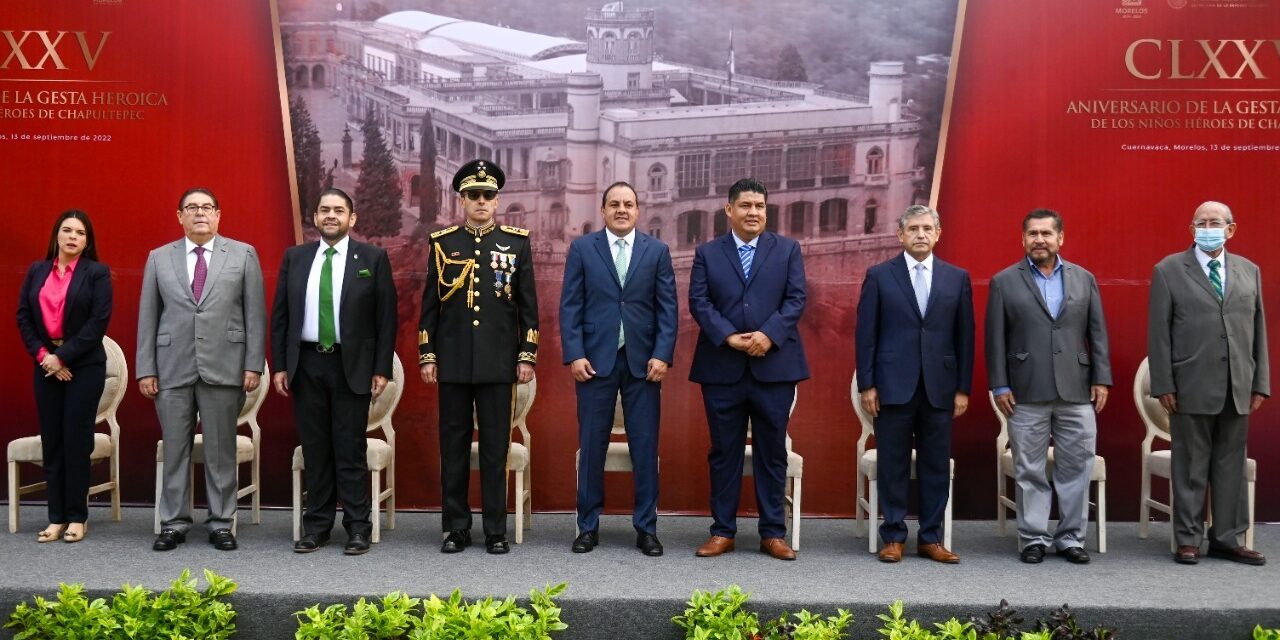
x: 328, y: 335
x: 620, y: 264
x: 1215, y: 277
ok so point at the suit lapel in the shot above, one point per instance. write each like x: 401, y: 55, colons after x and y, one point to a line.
x: 1235, y: 276
x: 42, y: 274
x: 298, y: 275
x: 178, y: 257
x: 77, y: 279
x: 1196, y: 273
x: 940, y: 273
x: 601, y: 243
x: 765, y: 244
x: 1029, y: 279
x: 899, y: 270
x: 642, y: 245
x: 730, y: 250
x: 355, y: 262
x: 217, y: 260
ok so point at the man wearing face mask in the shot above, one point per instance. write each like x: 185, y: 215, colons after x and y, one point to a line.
x: 1207, y: 346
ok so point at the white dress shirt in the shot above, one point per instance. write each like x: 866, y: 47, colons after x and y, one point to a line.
x: 191, y: 257
x: 911, y: 269
x: 613, y: 244
x: 1204, y: 259
x: 311, y: 306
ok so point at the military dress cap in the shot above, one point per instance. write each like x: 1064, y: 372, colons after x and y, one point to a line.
x: 479, y: 174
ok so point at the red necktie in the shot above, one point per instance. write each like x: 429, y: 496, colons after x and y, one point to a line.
x: 202, y: 272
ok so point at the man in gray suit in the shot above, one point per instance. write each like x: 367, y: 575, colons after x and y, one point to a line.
x: 1207, y: 345
x: 201, y: 346
x: 1047, y: 361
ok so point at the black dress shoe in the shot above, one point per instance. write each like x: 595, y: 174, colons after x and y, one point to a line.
x: 1242, y: 555
x: 357, y: 544
x: 496, y: 544
x: 456, y: 541
x: 586, y: 541
x: 222, y: 540
x: 1075, y: 555
x: 169, y: 539
x: 1033, y: 554
x: 310, y: 542
x: 648, y: 544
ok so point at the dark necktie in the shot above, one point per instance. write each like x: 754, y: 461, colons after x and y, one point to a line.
x: 1215, y: 277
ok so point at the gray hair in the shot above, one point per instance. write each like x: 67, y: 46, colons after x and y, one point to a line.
x: 1212, y: 203
x: 918, y: 210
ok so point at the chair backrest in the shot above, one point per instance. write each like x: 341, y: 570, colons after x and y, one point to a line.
x: 524, y: 395
x: 1002, y: 440
x: 619, y: 424
x: 382, y: 407
x: 1149, y: 409
x: 253, y: 402
x: 117, y: 383
x: 865, y: 420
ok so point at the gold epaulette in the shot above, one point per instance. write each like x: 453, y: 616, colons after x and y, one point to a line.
x: 516, y: 231
x: 447, y: 231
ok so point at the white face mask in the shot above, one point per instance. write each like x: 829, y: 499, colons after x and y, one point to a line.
x: 1211, y: 239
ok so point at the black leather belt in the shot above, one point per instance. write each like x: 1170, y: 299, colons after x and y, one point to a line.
x: 320, y: 349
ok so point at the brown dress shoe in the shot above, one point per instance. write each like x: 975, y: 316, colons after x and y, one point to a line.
x: 891, y: 552
x: 937, y: 553
x: 1187, y: 554
x: 715, y: 546
x: 1243, y: 555
x: 777, y: 547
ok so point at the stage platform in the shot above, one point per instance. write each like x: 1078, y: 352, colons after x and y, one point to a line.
x: 615, y: 592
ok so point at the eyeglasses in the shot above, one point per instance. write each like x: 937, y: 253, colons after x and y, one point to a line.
x: 476, y: 194
x: 199, y: 208
x: 1211, y: 224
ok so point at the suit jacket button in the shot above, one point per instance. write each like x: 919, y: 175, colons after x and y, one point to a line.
x: 475, y: 323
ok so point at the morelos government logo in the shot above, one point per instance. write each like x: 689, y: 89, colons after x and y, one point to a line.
x: 1131, y: 9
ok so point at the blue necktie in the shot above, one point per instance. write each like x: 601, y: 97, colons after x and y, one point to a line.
x: 745, y: 253
x: 922, y: 289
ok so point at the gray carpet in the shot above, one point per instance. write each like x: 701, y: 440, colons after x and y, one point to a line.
x: 616, y: 592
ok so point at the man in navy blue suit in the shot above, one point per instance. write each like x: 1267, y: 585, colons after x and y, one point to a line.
x: 747, y: 293
x: 618, y: 333
x: 915, y: 364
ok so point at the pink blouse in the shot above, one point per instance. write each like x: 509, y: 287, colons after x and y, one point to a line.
x: 53, y: 298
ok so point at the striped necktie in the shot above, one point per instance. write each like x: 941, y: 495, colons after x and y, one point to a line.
x: 1215, y: 277
x: 746, y: 253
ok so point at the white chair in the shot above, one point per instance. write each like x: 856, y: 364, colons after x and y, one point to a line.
x: 518, y: 456
x: 1004, y: 469
x: 870, y: 503
x: 247, y: 448
x: 106, y: 446
x: 380, y: 455
x: 795, y: 476
x: 1159, y: 464
x: 617, y: 457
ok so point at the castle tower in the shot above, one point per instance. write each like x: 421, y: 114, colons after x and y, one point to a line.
x: 886, y: 91
x: 581, y: 143
x: 620, y: 46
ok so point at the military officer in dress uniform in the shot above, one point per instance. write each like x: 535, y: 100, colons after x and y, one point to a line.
x: 478, y: 336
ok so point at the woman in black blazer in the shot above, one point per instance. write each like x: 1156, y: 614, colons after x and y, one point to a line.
x: 63, y: 311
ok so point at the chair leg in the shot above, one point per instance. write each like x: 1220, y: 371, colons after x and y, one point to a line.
x: 375, y: 485
x: 159, y: 488
x: 1248, y: 533
x: 255, y: 472
x: 13, y: 497
x: 1002, y: 516
x: 114, y: 469
x: 528, y: 498
x: 873, y: 516
x: 795, y: 515
x: 946, y: 519
x: 857, y: 505
x: 1144, y: 507
x: 391, y: 494
x: 519, y: 507
x: 1102, y: 516
x: 297, y: 504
